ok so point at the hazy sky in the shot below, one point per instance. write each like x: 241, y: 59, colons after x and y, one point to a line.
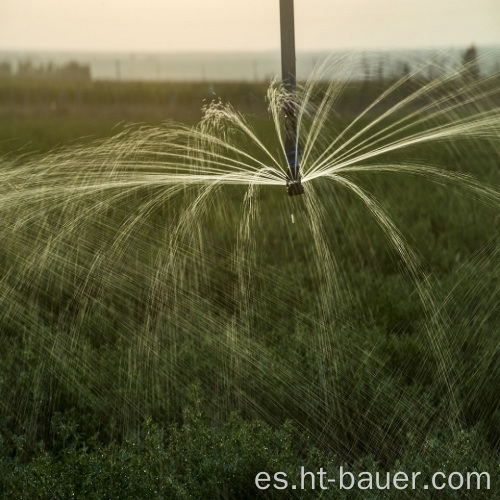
x: 251, y: 25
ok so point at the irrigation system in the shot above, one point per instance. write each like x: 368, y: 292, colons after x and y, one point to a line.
x: 289, y: 77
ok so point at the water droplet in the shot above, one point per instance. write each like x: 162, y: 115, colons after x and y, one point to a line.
x: 293, y: 219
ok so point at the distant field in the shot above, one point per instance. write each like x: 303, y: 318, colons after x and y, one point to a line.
x: 40, y: 115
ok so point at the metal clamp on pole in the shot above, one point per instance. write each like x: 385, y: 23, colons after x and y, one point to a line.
x: 288, y: 73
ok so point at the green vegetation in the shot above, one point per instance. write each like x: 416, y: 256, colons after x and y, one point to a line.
x: 199, y: 460
x: 123, y: 377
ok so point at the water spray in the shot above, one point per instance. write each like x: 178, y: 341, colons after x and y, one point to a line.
x: 288, y: 74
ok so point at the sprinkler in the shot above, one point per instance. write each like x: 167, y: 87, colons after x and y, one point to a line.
x: 288, y: 74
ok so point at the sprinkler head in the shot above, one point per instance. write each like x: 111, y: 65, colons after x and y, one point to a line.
x: 294, y: 188
x: 293, y: 182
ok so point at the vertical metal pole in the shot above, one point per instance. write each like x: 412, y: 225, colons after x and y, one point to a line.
x: 289, y: 77
x: 288, y: 69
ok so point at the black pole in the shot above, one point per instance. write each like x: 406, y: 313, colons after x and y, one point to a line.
x: 289, y: 77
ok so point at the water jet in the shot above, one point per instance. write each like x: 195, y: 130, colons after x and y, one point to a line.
x: 155, y: 270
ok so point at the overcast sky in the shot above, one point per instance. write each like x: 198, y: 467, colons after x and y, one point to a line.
x: 253, y: 25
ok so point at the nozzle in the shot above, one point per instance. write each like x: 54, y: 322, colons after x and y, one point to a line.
x: 294, y: 188
x: 293, y: 182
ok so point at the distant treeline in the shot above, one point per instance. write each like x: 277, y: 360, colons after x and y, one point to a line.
x: 375, y: 66
x: 27, y: 69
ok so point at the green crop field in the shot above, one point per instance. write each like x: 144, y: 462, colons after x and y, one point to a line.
x: 164, y: 337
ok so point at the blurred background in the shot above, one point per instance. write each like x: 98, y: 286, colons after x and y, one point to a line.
x: 226, y: 40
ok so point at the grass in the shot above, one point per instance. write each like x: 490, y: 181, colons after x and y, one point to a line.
x: 109, y: 393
